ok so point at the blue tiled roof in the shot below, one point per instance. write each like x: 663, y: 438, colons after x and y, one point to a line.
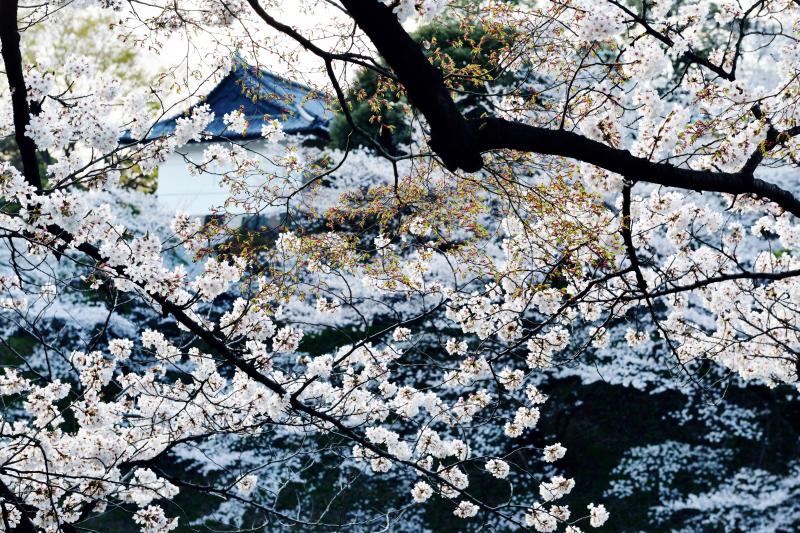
x: 261, y: 96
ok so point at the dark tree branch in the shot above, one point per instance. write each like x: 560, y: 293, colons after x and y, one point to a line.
x: 25, y: 525
x: 753, y: 276
x: 12, y: 57
x: 459, y: 142
x: 496, y: 133
x: 452, y: 138
x: 627, y: 237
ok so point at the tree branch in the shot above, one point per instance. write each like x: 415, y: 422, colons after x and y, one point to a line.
x: 459, y: 142
x: 495, y: 133
x: 25, y: 525
x: 12, y: 57
x: 316, y: 416
x: 452, y: 138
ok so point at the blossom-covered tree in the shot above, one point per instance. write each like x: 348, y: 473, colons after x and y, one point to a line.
x: 634, y: 173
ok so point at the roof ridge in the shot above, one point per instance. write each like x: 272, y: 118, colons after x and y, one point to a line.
x: 247, y: 67
x: 291, y: 99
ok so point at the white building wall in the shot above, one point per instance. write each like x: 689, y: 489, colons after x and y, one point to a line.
x: 199, y: 194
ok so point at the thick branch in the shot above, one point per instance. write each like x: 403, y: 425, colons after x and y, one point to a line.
x: 459, y: 142
x: 12, y: 57
x: 494, y: 133
x: 451, y: 136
